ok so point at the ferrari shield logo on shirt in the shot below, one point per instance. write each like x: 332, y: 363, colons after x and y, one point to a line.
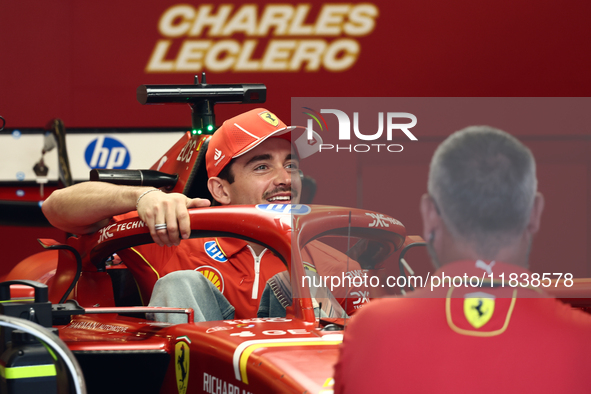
x: 212, y: 249
x: 213, y: 275
x: 269, y: 118
x: 181, y: 360
x: 479, y: 308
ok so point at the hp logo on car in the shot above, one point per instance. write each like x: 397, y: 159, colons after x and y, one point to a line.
x: 293, y: 209
x: 108, y: 153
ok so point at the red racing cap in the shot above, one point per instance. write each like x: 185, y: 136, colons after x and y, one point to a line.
x: 242, y: 133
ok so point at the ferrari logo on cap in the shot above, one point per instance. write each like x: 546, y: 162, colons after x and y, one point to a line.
x: 479, y: 308
x: 269, y: 118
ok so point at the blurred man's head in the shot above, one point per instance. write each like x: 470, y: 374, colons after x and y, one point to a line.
x: 251, y: 160
x: 483, y: 201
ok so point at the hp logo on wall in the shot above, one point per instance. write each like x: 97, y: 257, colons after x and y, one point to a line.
x: 107, y: 152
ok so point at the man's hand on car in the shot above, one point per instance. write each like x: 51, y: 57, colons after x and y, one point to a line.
x: 166, y: 215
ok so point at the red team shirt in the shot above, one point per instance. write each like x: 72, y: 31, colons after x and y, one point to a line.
x: 229, y: 263
x: 426, y: 344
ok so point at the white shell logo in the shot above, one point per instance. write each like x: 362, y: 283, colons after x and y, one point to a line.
x: 217, y: 154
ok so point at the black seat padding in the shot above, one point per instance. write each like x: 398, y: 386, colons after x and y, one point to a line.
x: 196, y: 186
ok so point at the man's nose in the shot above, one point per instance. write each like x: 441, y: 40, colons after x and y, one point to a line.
x: 283, y: 176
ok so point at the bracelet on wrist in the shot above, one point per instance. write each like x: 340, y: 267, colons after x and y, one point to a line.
x: 143, y: 194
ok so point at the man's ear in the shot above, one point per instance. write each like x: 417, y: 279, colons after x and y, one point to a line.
x: 217, y: 188
x: 535, y: 217
x: 431, y: 218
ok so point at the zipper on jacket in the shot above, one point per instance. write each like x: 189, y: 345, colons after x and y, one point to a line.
x: 257, y: 271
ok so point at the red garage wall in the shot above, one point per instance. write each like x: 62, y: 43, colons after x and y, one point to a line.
x: 82, y: 62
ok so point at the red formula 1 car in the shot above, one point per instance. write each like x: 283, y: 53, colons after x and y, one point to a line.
x: 94, y: 302
x: 117, y: 351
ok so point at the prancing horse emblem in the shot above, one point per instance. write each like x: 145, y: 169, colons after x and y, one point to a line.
x: 269, y: 118
x: 182, y: 353
x: 479, y: 310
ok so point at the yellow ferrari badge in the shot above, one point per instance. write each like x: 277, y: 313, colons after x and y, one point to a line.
x: 181, y: 357
x: 269, y: 118
x: 479, y: 308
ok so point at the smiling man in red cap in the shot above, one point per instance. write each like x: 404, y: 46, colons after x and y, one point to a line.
x: 250, y: 160
x: 238, y: 160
